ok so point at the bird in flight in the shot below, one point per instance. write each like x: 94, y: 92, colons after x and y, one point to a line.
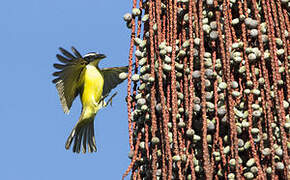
x: 82, y: 76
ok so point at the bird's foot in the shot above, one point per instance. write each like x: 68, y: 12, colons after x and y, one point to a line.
x: 110, y: 100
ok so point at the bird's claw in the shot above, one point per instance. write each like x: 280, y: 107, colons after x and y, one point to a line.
x: 110, y: 101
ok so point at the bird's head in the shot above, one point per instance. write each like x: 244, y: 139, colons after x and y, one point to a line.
x: 94, y: 58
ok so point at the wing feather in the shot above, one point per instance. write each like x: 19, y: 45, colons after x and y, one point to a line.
x: 62, y: 59
x: 68, y: 79
x: 66, y: 53
x: 111, y: 78
x: 76, y: 52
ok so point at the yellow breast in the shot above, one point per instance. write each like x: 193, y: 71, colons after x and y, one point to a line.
x: 93, y: 87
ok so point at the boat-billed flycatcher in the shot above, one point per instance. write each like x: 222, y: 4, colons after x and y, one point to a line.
x: 82, y: 76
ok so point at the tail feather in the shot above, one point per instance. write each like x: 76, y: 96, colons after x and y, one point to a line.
x: 82, y: 135
x: 78, y: 141
x: 84, y: 147
x: 91, y: 139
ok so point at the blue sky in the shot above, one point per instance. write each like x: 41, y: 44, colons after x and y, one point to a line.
x: 33, y: 126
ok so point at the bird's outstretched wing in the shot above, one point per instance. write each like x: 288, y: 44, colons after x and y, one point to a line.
x: 111, y: 78
x: 68, y: 79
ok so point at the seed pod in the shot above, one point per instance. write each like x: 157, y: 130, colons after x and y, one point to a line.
x: 123, y: 75
x: 257, y: 113
x: 155, y: 140
x: 250, y: 162
x: 166, y: 67
x: 238, y: 113
x: 136, y: 12
x: 144, y: 107
x: 162, y: 45
x: 232, y: 162
x: 208, y: 95
x: 280, y: 52
x: 235, y: 45
x: 235, y: 21
x: 186, y: 18
x: 213, y: 25
x: 242, y: 69
x: 269, y: 170
x: 181, y: 53
x: 222, y: 111
x: 190, y: 132
x: 255, y: 106
x: 142, y: 145
x: 209, y: 105
x: 279, y: 41
x: 178, y: 66
x: 127, y: 17
x: 254, y: 33
x: 186, y: 44
x: 247, y: 91
x: 158, y: 107
x: 138, y: 54
x: 180, y: 96
x: 142, y: 61
x: 137, y: 41
x: 138, y: 96
x: 249, y: 175
x: 255, y: 131
x: 196, y: 138
x: 210, y: 126
x: 266, y: 151
x: 196, y: 74
x: 252, y: 57
x: 145, y: 17
x: 234, y: 84
x: 256, y: 92
x: 226, y: 150
x: 135, y: 77
x: 261, y: 81
x: 280, y: 166
x: 196, y: 41
x: 151, y: 79
x: 143, y: 44
x: 251, y: 23
x: 265, y: 38
x: 209, y: 2
x: 206, y: 28
x: 181, y: 124
x: 145, y: 77
x: 155, y: 27
x: 168, y: 49
x: 207, y: 83
x: 208, y: 73
x: 141, y: 101
x: 176, y: 158
x: 236, y: 93
x: 162, y: 52
x: 167, y: 59
x: 213, y: 35
x: 222, y: 85
x: 279, y: 152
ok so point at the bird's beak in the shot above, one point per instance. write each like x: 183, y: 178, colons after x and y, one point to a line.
x: 101, y: 56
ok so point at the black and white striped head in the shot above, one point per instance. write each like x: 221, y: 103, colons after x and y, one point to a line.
x: 92, y: 56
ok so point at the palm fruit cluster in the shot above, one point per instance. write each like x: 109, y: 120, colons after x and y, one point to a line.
x: 209, y: 89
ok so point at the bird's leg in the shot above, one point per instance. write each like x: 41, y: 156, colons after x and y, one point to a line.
x: 110, y: 100
x: 103, y: 98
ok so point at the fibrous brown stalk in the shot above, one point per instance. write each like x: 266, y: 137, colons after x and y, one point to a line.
x: 208, y: 89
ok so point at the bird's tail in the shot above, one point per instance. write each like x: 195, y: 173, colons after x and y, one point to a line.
x: 83, y: 136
